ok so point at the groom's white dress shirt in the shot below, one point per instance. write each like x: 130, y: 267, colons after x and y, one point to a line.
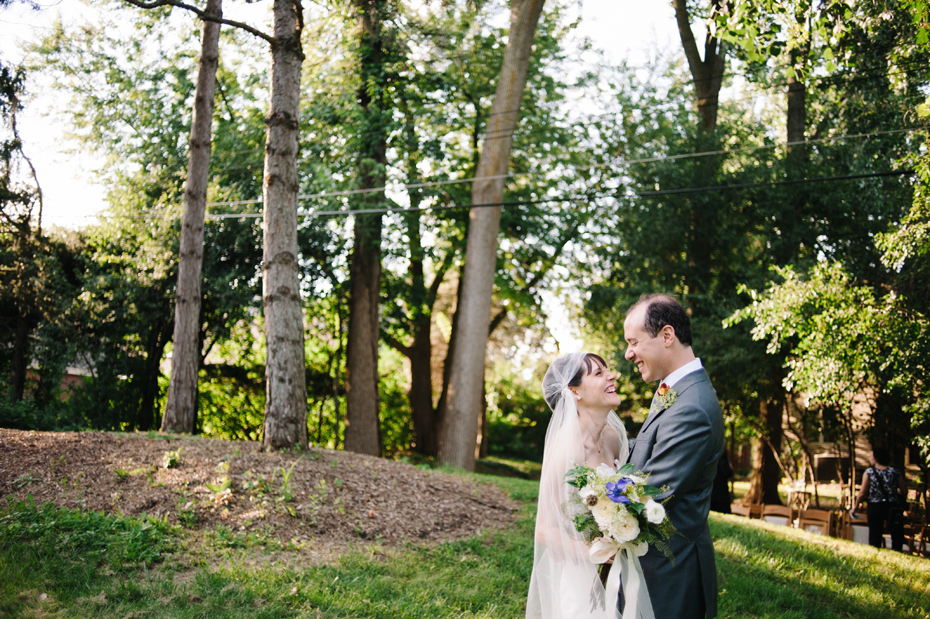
x: 677, y: 375
x: 674, y: 377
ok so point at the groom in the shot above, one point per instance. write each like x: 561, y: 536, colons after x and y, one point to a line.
x: 678, y: 445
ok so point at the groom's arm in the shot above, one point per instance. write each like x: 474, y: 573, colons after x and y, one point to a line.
x: 681, y: 450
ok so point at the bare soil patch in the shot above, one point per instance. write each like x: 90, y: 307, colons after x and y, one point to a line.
x: 332, y: 498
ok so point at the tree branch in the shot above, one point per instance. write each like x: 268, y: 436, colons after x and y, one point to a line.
x: 497, y: 320
x: 441, y: 271
x: 687, y: 40
x: 154, y: 4
x: 394, y: 343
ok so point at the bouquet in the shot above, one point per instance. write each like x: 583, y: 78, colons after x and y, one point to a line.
x: 616, y: 512
x: 616, y: 509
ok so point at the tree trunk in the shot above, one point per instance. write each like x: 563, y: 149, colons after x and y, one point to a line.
x: 285, y: 371
x: 466, y: 382
x: 363, y: 427
x: 766, y: 473
x: 421, y: 390
x: 796, y: 160
x: 797, y: 119
x: 20, y: 362
x: 707, y: 73
x: 145, y: 417
x: 181, y: 409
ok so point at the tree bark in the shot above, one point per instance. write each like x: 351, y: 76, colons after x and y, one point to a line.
x: 285, y: 371
x: 466, y: 384
x: 797, y: 120
x: 363, y: 426
x: 707, y: 73
x: 181, y: 408
x: 145, y: 417
x: 20, y: 362
x: 764, y: 486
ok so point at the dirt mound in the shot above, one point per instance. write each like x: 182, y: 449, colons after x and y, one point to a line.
x: 330, y: 497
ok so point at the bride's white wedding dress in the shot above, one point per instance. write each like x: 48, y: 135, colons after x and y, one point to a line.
x: 565, y: 583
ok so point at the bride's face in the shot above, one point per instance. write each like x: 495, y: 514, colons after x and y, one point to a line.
x: 597, y: 389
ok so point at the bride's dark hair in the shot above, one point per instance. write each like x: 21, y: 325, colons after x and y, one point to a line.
x: 587, y: 365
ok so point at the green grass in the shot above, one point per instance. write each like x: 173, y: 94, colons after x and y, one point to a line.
x: 768, y: 570
x: 102, y: 566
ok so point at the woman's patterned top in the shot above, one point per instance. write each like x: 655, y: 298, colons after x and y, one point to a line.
x: 883, y: 484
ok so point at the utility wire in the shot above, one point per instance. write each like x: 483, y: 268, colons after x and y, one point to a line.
x: 622, y: 162
x: 587, y: 197
x: 829, y: 79
x: 823, y: 179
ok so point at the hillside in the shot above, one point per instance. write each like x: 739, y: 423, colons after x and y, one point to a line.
x: 328, y: 498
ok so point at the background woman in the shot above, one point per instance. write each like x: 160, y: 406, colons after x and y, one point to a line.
x: 580, y: 390
x: 887, y: 492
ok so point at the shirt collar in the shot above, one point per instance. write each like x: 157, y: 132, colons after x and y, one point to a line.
x: 677, y: 375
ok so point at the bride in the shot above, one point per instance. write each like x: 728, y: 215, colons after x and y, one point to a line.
x: 580, y: 391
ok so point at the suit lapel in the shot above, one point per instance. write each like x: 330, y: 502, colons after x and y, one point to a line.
x: 680, y: 387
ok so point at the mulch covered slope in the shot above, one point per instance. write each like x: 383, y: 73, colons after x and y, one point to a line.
x: 333, y: 497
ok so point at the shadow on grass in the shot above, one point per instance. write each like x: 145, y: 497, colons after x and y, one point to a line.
x: 770, y: 571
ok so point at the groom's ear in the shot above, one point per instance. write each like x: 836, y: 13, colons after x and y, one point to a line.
x: 668, y: 335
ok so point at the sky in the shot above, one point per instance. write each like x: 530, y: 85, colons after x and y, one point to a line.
x: 625, y: 29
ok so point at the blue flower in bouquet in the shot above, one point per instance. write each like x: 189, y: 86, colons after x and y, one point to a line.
x: 616, y: 491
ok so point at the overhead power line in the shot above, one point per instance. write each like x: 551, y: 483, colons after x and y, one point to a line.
x: 621, y: 162
x: 586, y: 197
x: 798, y: 181
x: 829, y: 79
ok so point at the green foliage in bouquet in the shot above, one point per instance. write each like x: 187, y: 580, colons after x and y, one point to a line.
x: 615, y: 494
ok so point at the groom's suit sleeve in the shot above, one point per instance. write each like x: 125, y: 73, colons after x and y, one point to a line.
x: 682, y: 449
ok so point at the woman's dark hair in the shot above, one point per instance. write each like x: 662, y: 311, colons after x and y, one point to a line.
x: 663, y: 310
x: 881, y: 455
x: 590, y: 361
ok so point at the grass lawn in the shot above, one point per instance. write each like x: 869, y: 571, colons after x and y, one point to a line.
x: 67, y: 564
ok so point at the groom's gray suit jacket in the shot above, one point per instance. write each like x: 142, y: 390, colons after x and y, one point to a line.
x: 679, y: 447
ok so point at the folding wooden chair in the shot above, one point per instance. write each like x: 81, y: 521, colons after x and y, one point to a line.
x: 740, y: 510
x: 819, y: 521
x: 922, y: 544
x: 778, y: 514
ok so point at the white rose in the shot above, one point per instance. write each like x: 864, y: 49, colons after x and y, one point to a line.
x: 603, y: 513
x: 655, y: 512
x: 625, y: 527
x: 616, y: 521
x: 605, y: 470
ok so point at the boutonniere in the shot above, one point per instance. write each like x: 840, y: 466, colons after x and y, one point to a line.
x: 665, y: 396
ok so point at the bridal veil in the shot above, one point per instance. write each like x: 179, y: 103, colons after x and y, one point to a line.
x: 565, y: 583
